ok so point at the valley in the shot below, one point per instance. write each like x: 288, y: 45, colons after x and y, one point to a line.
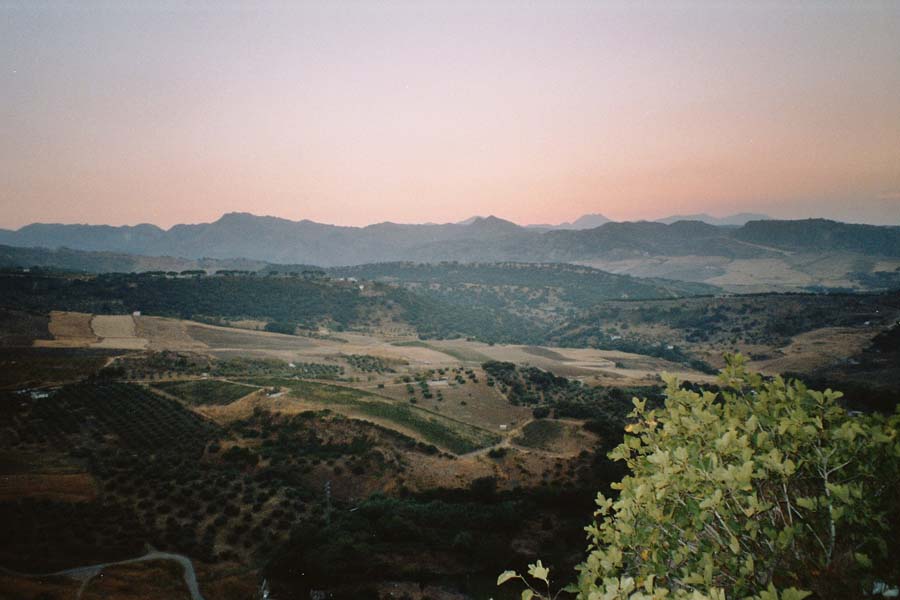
x: 445, y: 421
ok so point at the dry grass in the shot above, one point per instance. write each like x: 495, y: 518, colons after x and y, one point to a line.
x: 69, y: 330
x: 784, y: 273
x: 413, y: 355
x: 590, y: 365
x: 886, y: 265
x: 251, y: 324
x: 166, y: 334
x: 117, y: 331
x: 545, y: 353
x: 761, y: 271
x: 560, y: 438
x: 219, y: 338
x: 78, y: 487
x: 473, y: 403
x: 818, y: 349
x: 46, y: 476
x: 426, y: 472
x: 113, y: 326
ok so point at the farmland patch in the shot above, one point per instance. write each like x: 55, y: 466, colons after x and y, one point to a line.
x: 205, y: 391
x: 69, y: 330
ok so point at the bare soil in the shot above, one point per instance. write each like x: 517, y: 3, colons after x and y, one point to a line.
x: 117, y: 331
x: 69, y: 330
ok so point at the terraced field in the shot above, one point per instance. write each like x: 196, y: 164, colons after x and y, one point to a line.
x: 125, y: 332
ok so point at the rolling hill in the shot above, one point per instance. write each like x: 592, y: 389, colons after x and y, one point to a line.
x: 762, y: 255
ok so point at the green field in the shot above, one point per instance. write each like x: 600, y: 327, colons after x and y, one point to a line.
x: 540, y: 434
x: 449, y: 434
x: 204, y: 391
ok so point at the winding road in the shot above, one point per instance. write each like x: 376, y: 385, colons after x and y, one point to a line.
x: 87, y: 573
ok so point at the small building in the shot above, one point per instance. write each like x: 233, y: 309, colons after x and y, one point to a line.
x: 136, y: 313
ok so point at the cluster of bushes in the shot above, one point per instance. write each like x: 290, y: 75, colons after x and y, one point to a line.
x: 763, y: 489
x: 368, y: 364
x: 167, y: 363
x: 566, y: 398
x: 466, y: 534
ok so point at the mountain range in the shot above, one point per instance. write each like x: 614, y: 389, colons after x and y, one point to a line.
x: 271, y: 239
x: 591, y: 221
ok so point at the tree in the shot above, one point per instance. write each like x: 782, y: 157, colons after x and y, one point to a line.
x: 763, y: 491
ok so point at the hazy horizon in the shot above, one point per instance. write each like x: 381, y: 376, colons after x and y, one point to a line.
x: 356, y: 113
x: 460, y: 220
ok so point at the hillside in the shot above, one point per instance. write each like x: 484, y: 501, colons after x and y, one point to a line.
x: 599, y: 284
x: 759, y: 257
x: 823, y: 235
x: 89, y: 261
x: 291, y: 299
x: 507, y: 302
x: 546, y: 291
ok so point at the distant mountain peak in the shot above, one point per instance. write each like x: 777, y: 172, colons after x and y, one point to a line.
x: 588, y: 221
x: 493, y: 223
x: 246, y: 217
x: 490, y: 219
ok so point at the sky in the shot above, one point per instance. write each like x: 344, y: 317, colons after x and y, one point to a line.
x: 353, y: 113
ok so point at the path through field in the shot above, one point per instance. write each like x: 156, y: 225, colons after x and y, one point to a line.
x: 87, y: 573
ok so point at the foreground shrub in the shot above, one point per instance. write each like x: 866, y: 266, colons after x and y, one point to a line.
x: 769, y: 490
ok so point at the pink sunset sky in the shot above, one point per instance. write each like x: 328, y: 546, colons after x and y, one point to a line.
x: 360, y: 112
